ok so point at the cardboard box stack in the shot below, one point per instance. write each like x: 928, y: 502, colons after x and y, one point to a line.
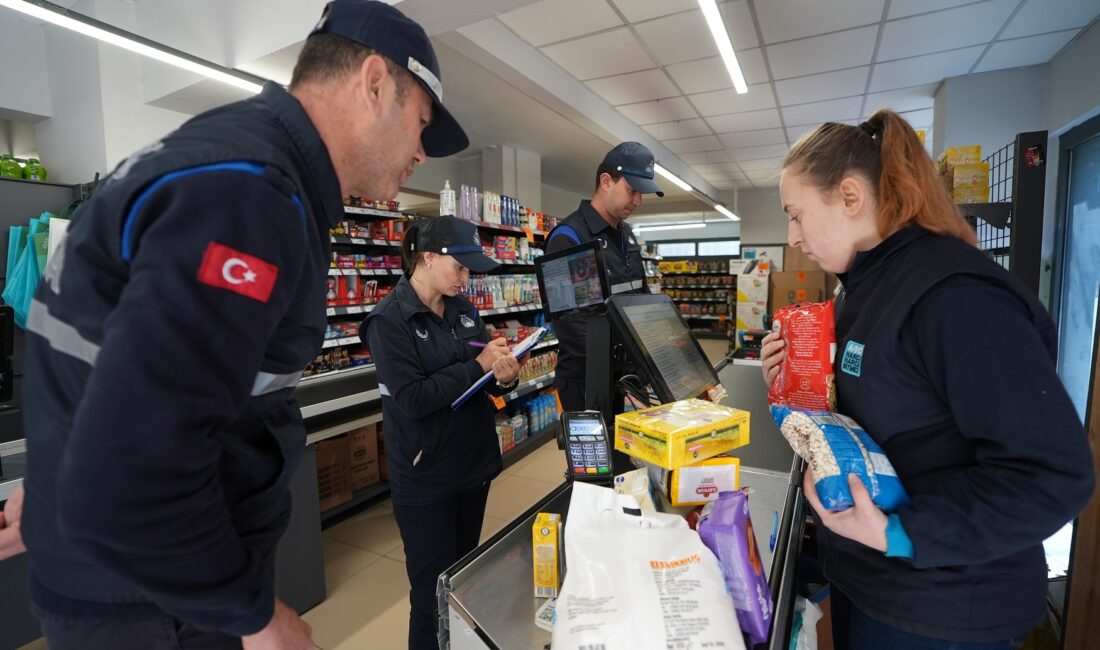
x: 363, y: 457
x: 964, y: 174
x: 794, y: 287
x: 333, y: 472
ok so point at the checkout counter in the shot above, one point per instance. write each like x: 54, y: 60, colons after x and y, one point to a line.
x: 486, y: 599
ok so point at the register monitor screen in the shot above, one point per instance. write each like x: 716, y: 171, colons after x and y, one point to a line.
x: 572, y: 280
x: 660, y: 341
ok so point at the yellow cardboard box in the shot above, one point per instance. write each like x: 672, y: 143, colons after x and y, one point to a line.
x: 681, y: 433
x: 545, y: 546
x: 965, y: 155
x: 968, y: 175
x: 970, y: 194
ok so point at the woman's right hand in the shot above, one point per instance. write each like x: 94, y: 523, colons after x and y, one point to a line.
x: 493, y: 350
x: 772, y: 353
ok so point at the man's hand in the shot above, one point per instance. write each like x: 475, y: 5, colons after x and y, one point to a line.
x: 772, y: 353
x: 11, y: 539
x: 286, y: 631
x: 863, y: 522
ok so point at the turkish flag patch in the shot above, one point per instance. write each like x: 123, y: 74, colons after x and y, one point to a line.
x: 225, y: 268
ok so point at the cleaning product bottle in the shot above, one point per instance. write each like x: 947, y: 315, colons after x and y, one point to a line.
x: 447, y: 200
x: 34, y: 171
x: 9, y: 168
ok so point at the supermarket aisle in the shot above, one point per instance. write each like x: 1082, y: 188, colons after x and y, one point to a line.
x: 368, y: 593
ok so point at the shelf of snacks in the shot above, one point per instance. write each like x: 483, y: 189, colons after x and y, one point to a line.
x: 367, y: 208
x: 503, y: 294
x: 711, y: 294
x: 333, y: 273
x: 359, y: 241
x: 698, y: 267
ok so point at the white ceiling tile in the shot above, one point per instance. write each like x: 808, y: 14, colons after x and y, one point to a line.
x: 744, y: 139
x: 689, y: 145
x: 796, y: 132
x: 764, y: 177
x: 586, y: 58
x: 751, y: 121
x: 726, y: 185
x: 716, y: 168
x: 634, y: 87
x: 706, y: 157
x: 550, y: 21
x: 680, y: 37
x: 831, y: 111
x: 786, y: 20
x: 758, y: 153
x: 1024, y: 51
x: 723, y: 102
x: 906, y: 99
x: 944, y: 30
x: 766, y: 164
x: 919, y: 119
x: 662, y: 110
x: 903, y: 8
x: 705, y: 75
x: 681, y: 129
x: 928, y: 69
x: 823, y: 53
x: 818, y: 87
x: 1039, y: 16
x: 639, y: 10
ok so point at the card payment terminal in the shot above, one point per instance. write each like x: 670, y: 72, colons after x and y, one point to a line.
x: 587, y: 446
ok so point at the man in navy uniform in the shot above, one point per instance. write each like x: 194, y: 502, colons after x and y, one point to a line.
x: 170, y: 330
x: 625, y: 174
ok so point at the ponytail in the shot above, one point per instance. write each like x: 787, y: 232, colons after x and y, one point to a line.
x: 410, y: 257
x: 887, y: 152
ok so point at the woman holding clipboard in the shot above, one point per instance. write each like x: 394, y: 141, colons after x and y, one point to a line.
x: 429, y: 346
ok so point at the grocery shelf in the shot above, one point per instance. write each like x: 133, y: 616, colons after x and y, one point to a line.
x: 334, y: 373
x: 372, y: 212
x: 698, y: 299
x: 530, y: 386
x: 338, y: 272
x: 349, y: 311
x: 512, y: 262
x: 700, y: 286
x: 339, y: 343
x: 510, y: 310
x: 696, y: 272
x: 512, y: 230
x: 360, y: 241
x: 544, y: 345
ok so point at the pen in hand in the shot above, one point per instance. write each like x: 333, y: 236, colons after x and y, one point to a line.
x: 476, y: 344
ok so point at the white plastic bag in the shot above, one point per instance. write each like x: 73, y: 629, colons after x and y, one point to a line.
x: 638, y: 581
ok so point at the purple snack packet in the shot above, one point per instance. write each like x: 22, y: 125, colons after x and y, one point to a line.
x: 726, y: 529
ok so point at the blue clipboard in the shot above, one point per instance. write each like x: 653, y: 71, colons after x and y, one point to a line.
x: 521, y: 349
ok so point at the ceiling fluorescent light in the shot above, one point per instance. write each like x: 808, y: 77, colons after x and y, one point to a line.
x: 725, y: 47
x: 676, y: 180
x: 675, y: 226
x: 724, y: 210
x: 56, y: 15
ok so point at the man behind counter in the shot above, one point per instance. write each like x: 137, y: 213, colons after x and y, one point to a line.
x: 625, y: 174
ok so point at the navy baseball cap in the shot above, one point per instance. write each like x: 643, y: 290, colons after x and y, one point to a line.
x: 455, y: 237
x: 386, y: 30
x: 635, y: 161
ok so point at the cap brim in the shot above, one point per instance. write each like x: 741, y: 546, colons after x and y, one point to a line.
x: 476, y: 262
x: 643, y: 185
x: 444, y: 136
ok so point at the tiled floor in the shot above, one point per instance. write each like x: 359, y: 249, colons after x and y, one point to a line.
x: 368, y: 591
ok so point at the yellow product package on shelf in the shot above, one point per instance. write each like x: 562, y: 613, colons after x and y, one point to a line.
x: 681, y: 433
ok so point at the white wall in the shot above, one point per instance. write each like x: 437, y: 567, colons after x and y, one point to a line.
x: 990, y: 108
x: 1075, y: 82
x: 762, y: 218
x: 560, y: 203
x: 23, y: 67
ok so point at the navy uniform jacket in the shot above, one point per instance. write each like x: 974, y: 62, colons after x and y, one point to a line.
x: 622, y: 255
x: 947, y: 361
x: 164, y: 345
x: 424, y: 362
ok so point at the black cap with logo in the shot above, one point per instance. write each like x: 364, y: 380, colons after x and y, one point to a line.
x: 386, y: 30
x: 454, y: 237
x: 634, y: 161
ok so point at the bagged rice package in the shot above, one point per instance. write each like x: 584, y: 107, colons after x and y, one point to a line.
x: 806, y: 379
x: 726, y: 528
x: 835, y: 446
